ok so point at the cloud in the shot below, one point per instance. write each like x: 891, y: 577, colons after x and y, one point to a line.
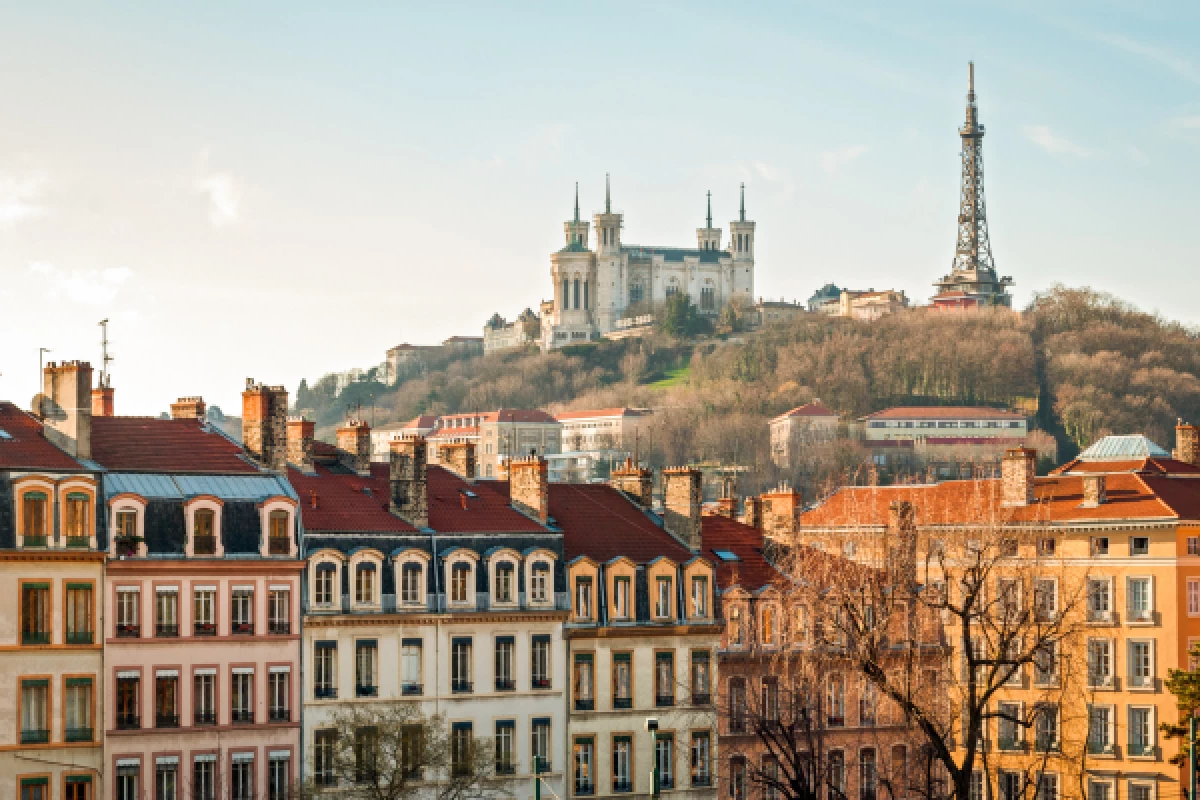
x: 833, y: 160
x: 92, y: 287
x: 18, y: 198
x: 773, y: 174
x: 224, y: 198
x: 1185, y: 127
x: 1138, y: 155
x: 1152, y: 53
x: 1054, y: 144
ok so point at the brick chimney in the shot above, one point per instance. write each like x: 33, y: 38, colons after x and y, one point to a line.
x: 780, y: 510
x: 409, y: 481
x: 264, y: 424
x: 900, y: 517
x: 753, y: 512
x: 301, y: 433
x: 459, y: 458
x: 529, y: 486
x: 1094, y: 491
x: 1187, y: 443
x: 188, y: 408
x: 727, y: 502
x: 354, y: 446
x: 682, y: 502
x: 1016, y: 474
x: 635, y: 481
x: 102, y: 402
x: 902, y: 540
x: 66, y: 406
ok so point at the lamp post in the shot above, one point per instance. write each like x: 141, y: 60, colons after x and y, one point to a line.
x: 652, y: 726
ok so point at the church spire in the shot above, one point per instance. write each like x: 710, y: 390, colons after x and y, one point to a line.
x: 607, y: 196
x: 577, y: 201
x: 709, y: 218
x: 742, y: 211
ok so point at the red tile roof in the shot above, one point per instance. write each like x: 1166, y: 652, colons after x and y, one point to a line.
x: 600, y: 522
x: 346, y: 502
x: 602, y: 412
x: 1152, y: 466
x: 817, y: 409
x: 147, y: 444
x: 25, y: 446
x: 751, y: 571
x: 944, y: 412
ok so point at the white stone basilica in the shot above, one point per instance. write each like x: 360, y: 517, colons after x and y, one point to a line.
x: 593, y: 289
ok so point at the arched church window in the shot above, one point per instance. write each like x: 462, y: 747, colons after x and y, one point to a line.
x: 577, y: 293
x: 585, y: 294
x: 566, y: 293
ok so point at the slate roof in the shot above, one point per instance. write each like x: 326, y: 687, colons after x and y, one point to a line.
x: 1118, y: 448
x: 675, y: 253
x: 147, y: 444
x: 751, y: 571
x: 255, y: 488
x: 600, y: 522
x: 23, y: 446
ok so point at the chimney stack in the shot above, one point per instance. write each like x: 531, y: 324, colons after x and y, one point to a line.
x: 1094, y: 491
x: 780, y: 511
x: 188, y: 408
x: 354, y: 446
x: 102, y: 402
x: 529, y: 486
x: 753, y: 514
x: 66, y: 406
x: 635, y: 481
x: 409, y: 481
x: 1187, y: 443
x: 459, y: 458
x: 301, y: 433
x: 727, y: 502
x: 682, y: 502
x: 264, y: 424
x: 900, y: 517
x: 1016, y: 473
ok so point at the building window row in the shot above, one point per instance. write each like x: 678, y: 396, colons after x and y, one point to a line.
x: 200, y: 777
x: 622, y: 597
x: 36, y: 702
x: 78, y: 604
x: 623, y: 753
x: 203, y: 527
x: 166, y: 689
x: 168, y: 611
x: 37, y: 499
x: 667, y: 685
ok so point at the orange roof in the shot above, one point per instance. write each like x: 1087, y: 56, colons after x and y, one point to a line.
x: 601, y: 412
x: 815, y: 409
x: 944, y: 412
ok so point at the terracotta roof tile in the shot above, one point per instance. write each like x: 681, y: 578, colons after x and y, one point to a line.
x: 148, y: 444
x: 751, y: 571
x: 817, y: 409
x: 23, y: 445
x: 600, y: 522
x: 601, y: 412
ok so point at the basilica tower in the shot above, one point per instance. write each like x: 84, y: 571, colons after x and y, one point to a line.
x: 610, y: 272
x: 708, y: 237
x: 741, y: 246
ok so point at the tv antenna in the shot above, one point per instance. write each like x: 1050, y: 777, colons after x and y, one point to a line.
x: 105, y: 358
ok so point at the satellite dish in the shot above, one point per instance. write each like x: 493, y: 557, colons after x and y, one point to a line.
x: 37, y: 406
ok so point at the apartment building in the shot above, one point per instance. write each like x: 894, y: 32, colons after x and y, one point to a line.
x: 953, y: 441
x: 51, y: 579
x: 425, y: 585
x: 641, y: 639
x: 497, y: 436
x: 1119, y: 524
x: 201, y: 606
x: 804, y: 425
x: 594, y: 440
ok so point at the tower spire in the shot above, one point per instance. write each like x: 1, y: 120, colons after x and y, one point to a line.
x: 577, y: 201
x: 607, y: 196
x: 709, y: 225
x: 742, y: 210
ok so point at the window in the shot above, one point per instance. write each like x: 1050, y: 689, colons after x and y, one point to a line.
x: 35, y: 711
x: 1009, y: 785
x: 707, y: 298
x: 1046, y: 728
x: 504, y: 583
x: 662, y: 601
x: 279, y: 776
x: 278, y: 541
x: 977, y: 791
x: 35, y: 788
x: 410, y: 585
x: 364, y: 584
x: 585, y: 779
x: 770, y: 775
x: 204, y: 778
x: 868, y: 774
x: 34, y: 519
x: 621, y: 597
x: 1141, y: 791
x: 323, y: 590
x: 460, y: 588
x: 664, y: 679
x: 737, y: 705
x: 166, y: 699
x: 637, y: 293
x: 582, y: 687
x: 1099, y: 607
x: 1193, y: 545
x: 1047, y: 546
x: 79, y: 787
x: 241, y: 777
x: 737, y: 779
x: 836, y: 702
x: 583, y: 598
x: 35, y: 613
x: 460, y: 664
x: 1100, y: 663
x: 539, y: 582
x: 242, y: 694
x: 621, y: 760
x: 366, y: 661
x: 1099, y: 545
x: 1141, y: 664
x: 701, y: 758
x: 701, y: 682
x: 505, y: 730
x: 622, y: 675
x: 1100, y: 729
x: 540, y: 662
x: 1141, y: 731
x: 128, y: 701
x: 1045, y: 599
x: 1193, y: 597
x: 664, y: 759
x: 126, y: 538
x: 505, y: 662
x: 1045, y: 664
x: 366, y: 755
x: 79, y: 629
x: 410, y: 667
x: 540, y: 743
x: 1139, y: 545
x: 412, y: 746
x: 735, y: 626
x: 1141, y: 602
x: 78, y: 699
x: 461, y: 748
x: 127, y: 779
x: 204, y: 540
x: 204, y: 697
x: 242, y: 606
x: 279, y: 611
x: 166, y: 611
x: 866, y: 702
x: 768, y: 625
x: 204, y: 619
x: 166, y: 780
x: 277, y: 695
x: 324, y: 743
x: 76, y: 519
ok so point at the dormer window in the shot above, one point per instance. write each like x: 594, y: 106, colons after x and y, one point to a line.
x: 768, y: 625
x: 364, y: 584
x: 621, y: 597
x: 700, y: 596
x: 460, y: 583
x: 204, y: 540
x: 539, y: 582
x: 278, y: 541
x: 662, y: 606
x: 35, y: 518
x: 735, y: 626
x: 410, y: 584
x: 126, y: 537
x: 76, y: 518
x: 323, y: 590
x: 504, y: 582
x: 583, y: 598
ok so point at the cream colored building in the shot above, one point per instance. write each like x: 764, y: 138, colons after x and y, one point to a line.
x: 593, y: 440
x: 804, y: 425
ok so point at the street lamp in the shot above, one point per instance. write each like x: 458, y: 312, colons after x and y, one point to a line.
x: 652, y: 726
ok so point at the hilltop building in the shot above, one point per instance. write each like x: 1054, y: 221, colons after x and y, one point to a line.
x: 804, y: 425
x: 952, y: 440
x: 594, y: 440
x: 594, y: 288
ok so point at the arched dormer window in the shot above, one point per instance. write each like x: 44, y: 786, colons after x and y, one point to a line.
x: 325, y: 585
x: 460, y: 583
x: 366, y: 583
x: 540, y: 583
x: 277, y: 515
x: 203, y: 521
x: 35, y: 518
x: 128, y: 526
x: 412, y: 584
x: 505, y: 589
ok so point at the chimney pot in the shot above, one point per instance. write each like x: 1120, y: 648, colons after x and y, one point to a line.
x: 102, y: 402
x: 1017, y: 472
x: 529, y: 486
x: 637, y: 482
x: 682, y: 504
x: 264, y: 424
x: 301, y: 433
x: 354, y: 446
x: 1094, y: 491
x: 1187, y: 443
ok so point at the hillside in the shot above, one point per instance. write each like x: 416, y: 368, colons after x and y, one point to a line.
x: 1083, y: 362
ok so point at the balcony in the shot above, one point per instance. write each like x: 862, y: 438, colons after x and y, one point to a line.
x: 505, y: 684
x: 584, y: 705
x: 701, y: 699
x: 325, y: 692
x: 412, y: 689
x: 702, y: 780
x: 204, y: 545
x: 279, y: 627
x: 622, y: 702
x: 506, y: 768
x: 79, y: 542
x: 461, y: 687
x: 664, y: 700
x: 1008, y: 744
x: 366, y: 691
x: 204, y: 717
x: 79, y: 735
x: 539, y: 683
x: 35, y: 541
x: 1100, y: 748
x: 166, y: 630
x: 278, y: 546
x: 1136, y: 749
x: 242, y: 716
x: 584, y: 788
x: 166, y: 720
x: 127, y: 721
x: 279, y: 715
x: 243, y: 628
x: 35, y: 637
x: 79, y: 637
x: 34, y: 736
x: 128, y: 631
x: 204, y: 629
x: 622, y: 786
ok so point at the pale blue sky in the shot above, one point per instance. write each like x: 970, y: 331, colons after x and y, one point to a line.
x: 278, y: 190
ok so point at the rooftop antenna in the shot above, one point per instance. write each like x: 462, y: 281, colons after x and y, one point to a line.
x: 636, y: 442
x: 577, y: 201
x: 105, y: 358
x: 41, y: 362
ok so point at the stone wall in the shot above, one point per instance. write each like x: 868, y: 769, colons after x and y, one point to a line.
x: 264, y: 424
x: 683, y: 500
x: 409, y: 481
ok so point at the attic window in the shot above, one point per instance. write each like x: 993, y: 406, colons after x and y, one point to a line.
x: 726, y: 555
x: 469, y: 493
x: 367, y: 491
x: 4, y: 434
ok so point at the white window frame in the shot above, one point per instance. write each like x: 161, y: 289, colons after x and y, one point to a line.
x: 1151, y: 680
x: 1145, y: 617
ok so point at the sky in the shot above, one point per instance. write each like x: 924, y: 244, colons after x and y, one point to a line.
x: 279, y: 190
